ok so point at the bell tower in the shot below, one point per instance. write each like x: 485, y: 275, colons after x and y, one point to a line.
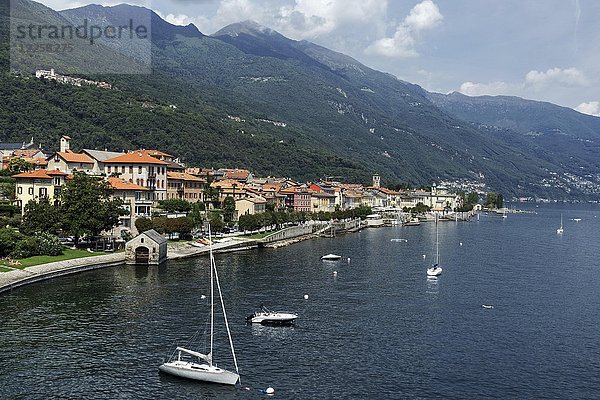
x: 376, y: 181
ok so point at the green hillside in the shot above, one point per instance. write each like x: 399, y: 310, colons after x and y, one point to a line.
x: 341, y: 118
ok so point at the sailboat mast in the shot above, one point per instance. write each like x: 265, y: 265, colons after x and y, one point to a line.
x: 437, y: 242
x: 212, y: 303
x: 225, y: 317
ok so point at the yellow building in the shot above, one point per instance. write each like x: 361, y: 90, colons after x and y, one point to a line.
x: 249, y: 205
x: 34, y: 185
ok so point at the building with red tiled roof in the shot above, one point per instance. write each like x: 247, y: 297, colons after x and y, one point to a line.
x: 229, y: 187
x: 68, y: 161
x: 137, y: 203
x: 241, y: 175
x: 143, y: 170
x: 33, y: 185
x: 181, y: 185
x: 157, y: 154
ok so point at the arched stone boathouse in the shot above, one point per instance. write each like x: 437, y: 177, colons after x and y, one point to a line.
x: 148, y: 248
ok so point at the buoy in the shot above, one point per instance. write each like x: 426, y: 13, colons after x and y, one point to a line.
x: 305, y: 297
x: 424, y: 255
x: 269, y: 390
x: 348, y: 260
x: 460, y: 243
x: 334, y: 273
x: 203, y: 297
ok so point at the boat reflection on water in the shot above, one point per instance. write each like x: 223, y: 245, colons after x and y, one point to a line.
x: 432, y: 285
x: 273, y: 332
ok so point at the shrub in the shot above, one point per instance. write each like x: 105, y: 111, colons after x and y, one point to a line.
x: 8, y: 241
x: 41, y: 244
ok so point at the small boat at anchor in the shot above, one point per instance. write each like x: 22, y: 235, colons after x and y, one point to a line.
x: 268, y: 317
x: 331, y: 257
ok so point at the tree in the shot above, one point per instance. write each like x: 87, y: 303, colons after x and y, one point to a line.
x: 472, y: 198
x: 8, y: 241
x: 228, y: 208
x: 499, y: 200
x: 86, y: 206
x: 8, y: 189
x: 17, y: 165
x: 175, y: 205
x: 143, y: 224
x: 40, y: 216
x: 197, y: 214
x: 216, y: 224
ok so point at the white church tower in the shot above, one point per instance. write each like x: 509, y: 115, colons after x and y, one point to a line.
x: 376, y: 181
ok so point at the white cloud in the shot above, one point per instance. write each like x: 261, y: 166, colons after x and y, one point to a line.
x: 566, y: 77
x: 493, y: 88
x: 533, y: 81
x: 425, y: 15
x: 304, y: 19
x: 591, y: 108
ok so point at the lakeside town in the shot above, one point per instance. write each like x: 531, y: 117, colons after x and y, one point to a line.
x: 144, y: 179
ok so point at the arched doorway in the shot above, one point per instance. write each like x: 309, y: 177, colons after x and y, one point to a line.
x: 142, y: 255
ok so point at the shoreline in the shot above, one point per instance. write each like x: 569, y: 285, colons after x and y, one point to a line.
x: 176, y: 251
x: 18, y: 278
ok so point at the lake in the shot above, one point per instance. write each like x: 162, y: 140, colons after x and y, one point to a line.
x: 377, y: 329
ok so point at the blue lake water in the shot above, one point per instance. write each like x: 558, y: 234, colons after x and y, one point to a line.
x: 379, y: 329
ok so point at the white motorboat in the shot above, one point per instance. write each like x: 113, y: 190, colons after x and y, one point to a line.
x: 413, y: 222
x: 331, y: 257
x: 435, y: 269
x: 560, y: 230
x: 191, y: 364
x: 267, y: 317
x: 374, y: 221
x: 399, y: 240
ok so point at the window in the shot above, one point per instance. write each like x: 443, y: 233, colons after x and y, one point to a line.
x: 109, y: 168
x: 131, y: 169
x: 140, y: 169
x: 43, y: 192
x: 122, y: 169
x: 30, y: 191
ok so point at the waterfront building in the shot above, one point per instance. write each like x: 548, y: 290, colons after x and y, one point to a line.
x: 141, y: 169
x: 297, y: 198
x: 33, y: 185
x: 136, y: 201
x: 148, y: 248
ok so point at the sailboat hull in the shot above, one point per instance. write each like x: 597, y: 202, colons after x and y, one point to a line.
x: 200, y: 372
x: 434, y: 271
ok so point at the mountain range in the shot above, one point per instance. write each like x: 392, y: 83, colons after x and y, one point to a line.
x: 248, y: 96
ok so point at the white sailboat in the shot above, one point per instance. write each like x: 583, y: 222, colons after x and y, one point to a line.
x: 560, y: 230
x: 435, y: 269
x: 191, y: 364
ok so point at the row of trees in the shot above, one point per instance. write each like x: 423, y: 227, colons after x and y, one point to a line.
x: 182, y: 226
x: 251, y: 222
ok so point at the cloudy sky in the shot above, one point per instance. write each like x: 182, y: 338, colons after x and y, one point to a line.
x: 543, y: 50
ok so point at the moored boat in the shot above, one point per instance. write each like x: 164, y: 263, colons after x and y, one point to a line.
x: 268, y: 317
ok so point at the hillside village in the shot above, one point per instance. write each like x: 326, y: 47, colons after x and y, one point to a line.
x: 143, y: 178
